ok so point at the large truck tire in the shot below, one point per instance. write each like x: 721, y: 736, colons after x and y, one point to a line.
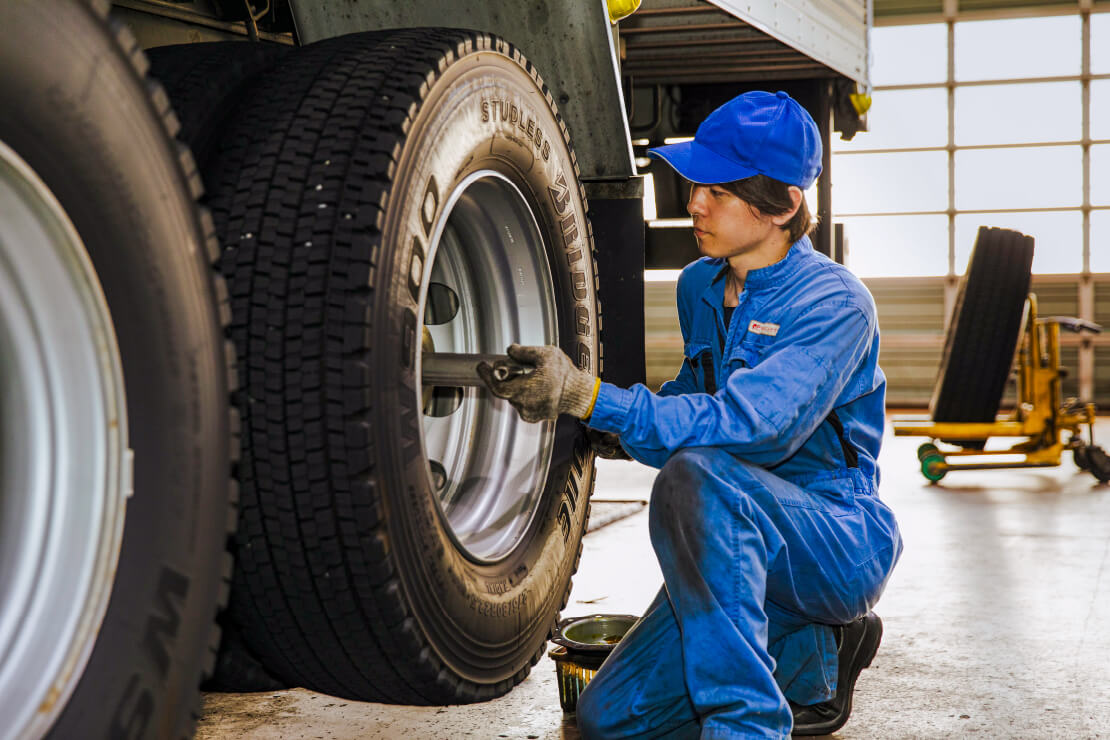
x: 205, y: 83
x: 116, y: 499
x: 984, y: 331
x: 380, y: 195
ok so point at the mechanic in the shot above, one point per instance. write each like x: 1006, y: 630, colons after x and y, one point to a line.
x: 765, y: 516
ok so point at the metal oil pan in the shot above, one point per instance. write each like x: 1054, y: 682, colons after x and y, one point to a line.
x: 583, y: 644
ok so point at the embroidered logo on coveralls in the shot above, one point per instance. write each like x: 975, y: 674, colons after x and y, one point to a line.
x: 760, y: 327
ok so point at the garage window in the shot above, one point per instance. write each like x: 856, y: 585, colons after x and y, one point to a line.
x: 975, y: 121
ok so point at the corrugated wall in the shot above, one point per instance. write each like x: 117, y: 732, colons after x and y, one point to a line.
x: 911, y: 320
x: 911, y: 328
x: 663, y: 343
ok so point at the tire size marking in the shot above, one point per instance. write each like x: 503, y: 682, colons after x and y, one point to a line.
x: 568, y: 507
x: 433, y: 554
x: 429, y: 207
x: 568, y: 222
x: 582, y: 321
x: 136, y: 706
x: 498, y: 587
x: 163, y: 623
x: 502, y: 609
x: 497, y: 110
x: 410, y: 415
x: 138, y: 715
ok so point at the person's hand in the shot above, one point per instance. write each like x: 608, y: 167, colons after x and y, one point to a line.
x: 606, y: 444
x: 555, y: 387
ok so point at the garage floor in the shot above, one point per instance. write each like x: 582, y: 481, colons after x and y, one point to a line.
x: 997, y: 619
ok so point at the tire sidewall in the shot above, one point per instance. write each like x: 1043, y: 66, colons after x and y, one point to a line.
x: 497, y: 117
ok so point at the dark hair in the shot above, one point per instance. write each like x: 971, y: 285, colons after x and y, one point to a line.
x: 772, y: 197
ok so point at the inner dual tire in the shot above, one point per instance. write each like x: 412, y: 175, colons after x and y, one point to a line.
x: 378, y: 196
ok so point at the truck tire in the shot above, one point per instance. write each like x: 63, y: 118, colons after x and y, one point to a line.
x: 205, y: 83
x: 984, y: 331
x: 379, y: 195
x: 115, y: 431
x: 236, y: 667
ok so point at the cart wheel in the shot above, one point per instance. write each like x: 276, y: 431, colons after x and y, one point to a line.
x: 1098, y: 463
x: 1082, y: 457
x: 933, y: 467
x: 927, y: 449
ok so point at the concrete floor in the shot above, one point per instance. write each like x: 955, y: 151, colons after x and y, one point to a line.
x: 997, y: 620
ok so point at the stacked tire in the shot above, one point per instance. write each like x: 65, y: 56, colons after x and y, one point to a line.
x: 378, y: 196
x: 985, y: 329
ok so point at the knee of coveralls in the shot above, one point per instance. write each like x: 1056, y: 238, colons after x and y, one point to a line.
x: 708, y: 539
x: 690, y: 495
x: 702, y: 508
x: 712, y: 549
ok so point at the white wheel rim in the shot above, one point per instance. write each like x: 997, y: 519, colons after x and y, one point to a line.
x: 493, y: 467
x: 65, y: 466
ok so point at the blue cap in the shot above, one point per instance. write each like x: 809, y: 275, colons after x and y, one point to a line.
x: 757, y: 133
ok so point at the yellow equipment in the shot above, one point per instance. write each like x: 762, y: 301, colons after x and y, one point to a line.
x: 1041, y: 415
x: 619, y: 9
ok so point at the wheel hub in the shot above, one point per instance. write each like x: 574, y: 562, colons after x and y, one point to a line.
x: 489, y: 285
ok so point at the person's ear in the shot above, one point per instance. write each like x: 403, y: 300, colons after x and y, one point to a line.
x: 796, y: 200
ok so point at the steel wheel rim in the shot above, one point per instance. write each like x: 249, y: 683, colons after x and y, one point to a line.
x: 64, y: 459
x: 487, y: 466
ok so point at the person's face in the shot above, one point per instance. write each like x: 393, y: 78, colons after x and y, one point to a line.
x: 726, y: 226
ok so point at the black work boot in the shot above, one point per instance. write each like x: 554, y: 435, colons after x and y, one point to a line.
x: 856, y: 645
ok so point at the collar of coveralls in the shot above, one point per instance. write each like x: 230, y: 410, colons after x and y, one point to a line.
x: 774, y: 274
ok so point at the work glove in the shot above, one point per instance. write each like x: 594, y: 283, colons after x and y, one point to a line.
x: 555, y: 387
x: 606, y: 444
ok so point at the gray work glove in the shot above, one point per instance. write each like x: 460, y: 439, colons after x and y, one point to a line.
x: 606, y: 444
x: 555, y: 387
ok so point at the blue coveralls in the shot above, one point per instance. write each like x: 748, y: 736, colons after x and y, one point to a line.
x: 765, y: 516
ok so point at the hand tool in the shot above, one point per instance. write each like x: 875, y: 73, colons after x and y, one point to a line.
x: 447, y: 369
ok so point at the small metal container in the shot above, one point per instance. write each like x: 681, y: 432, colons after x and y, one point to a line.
x: 583, y: 645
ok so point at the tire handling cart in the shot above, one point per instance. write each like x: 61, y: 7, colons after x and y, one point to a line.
x: 1041, y: 415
